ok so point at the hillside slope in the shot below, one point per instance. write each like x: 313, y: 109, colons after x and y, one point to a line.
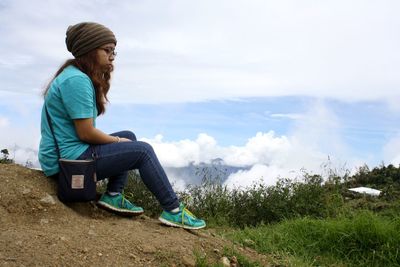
x: 37, y: 229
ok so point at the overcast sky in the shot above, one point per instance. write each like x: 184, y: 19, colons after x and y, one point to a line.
x: 278, y: 85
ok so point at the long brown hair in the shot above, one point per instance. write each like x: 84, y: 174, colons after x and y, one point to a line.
x: 89, y: 65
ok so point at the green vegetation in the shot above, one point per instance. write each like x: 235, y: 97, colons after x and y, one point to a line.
x: 311, y: 221
x: 364, y: 239
x: 5, y: 157
x: 137, y: 192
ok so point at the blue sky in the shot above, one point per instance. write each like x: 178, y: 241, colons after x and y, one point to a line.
x: 272, y: 85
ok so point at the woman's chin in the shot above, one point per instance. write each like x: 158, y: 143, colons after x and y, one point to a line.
x: 108, y: 68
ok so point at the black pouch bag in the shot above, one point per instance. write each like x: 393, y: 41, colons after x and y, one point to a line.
x: 77, y: 180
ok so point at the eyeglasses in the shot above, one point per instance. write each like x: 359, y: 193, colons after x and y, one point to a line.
x: 109, y: 51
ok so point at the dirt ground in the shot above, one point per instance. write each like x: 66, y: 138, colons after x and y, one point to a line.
x: 36, y: 229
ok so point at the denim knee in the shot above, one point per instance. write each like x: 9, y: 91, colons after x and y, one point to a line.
x: 147, y: 148
x: 131, y: 136
x: 127, y: 134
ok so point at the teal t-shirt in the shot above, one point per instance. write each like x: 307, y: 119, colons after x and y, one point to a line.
x: 71, y: 96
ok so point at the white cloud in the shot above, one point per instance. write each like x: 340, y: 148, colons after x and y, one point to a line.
x: 315, y: 141
x: 396, y: 160
x: 292, y: 116
x: 263, y: 148
x: 21, y: 136
x: 269, y: 49
x: 15, y: 62
x: 4, y: 122
x: 181, y: 153
x: 393, y: 103
x: 320, y: 128
x: 259, y: 151
x: 267, y: 175
x: 392, y: 150
x: 25, y: 156
x: 24, y: 139
x: 179, y: 51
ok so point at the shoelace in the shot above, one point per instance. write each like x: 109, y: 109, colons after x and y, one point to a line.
x: 186, y: 211
x: 123, y: 200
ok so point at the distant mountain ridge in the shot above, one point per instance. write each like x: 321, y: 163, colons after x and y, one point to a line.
x: 193, y: 174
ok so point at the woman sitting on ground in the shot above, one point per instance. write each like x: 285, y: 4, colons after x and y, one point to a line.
x: 74, y: 98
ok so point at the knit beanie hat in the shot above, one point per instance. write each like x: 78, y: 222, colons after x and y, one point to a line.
x: 86, y: 36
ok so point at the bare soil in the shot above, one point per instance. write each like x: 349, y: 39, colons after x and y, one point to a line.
x: 36, y: 229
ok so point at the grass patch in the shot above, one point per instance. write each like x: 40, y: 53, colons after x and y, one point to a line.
x: 364, y: 239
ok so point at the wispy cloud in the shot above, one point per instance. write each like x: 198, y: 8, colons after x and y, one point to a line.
x: 183, y: 51
x: 15, y: 62
x: 291, y: 116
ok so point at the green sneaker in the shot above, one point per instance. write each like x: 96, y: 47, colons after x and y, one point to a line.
x: 184, y: 219
x: 119, y: 204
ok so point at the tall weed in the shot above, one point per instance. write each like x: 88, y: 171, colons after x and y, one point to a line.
x: 137, y: 192
x: 309, y: 196
x: 259, y: 203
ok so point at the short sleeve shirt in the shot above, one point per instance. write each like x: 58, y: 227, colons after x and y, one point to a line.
x: 71, y: 96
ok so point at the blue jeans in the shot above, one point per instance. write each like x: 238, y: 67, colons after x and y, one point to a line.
x: 114, y: 160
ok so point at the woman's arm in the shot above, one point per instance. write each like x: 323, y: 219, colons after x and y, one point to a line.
x: 89, y: 134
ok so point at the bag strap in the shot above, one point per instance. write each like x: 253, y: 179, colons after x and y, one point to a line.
x: 52, y: 131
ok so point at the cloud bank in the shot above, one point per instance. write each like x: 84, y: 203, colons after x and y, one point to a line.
x: 315, y: 138
x: 185, y: 51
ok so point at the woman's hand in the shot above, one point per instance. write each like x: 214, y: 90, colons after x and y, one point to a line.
x: 89, y: 134
x: 123, y: 139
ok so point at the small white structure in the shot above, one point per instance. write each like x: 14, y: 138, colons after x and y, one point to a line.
x: 366, y: 190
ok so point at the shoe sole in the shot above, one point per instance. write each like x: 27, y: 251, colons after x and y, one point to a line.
x: 118, y: 211
x: 164, y: 221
